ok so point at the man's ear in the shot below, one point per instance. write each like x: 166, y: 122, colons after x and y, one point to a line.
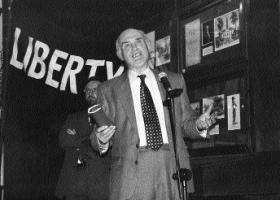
x: 119, y: 54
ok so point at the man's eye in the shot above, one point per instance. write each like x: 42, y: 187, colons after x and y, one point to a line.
x: 140, y: 41
x: 126, y: 46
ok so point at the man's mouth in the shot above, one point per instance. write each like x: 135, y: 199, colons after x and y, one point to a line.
x: 136, y: 55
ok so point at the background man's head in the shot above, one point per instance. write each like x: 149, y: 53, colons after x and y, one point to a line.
x: 91, y: 91
x: 133, y: 47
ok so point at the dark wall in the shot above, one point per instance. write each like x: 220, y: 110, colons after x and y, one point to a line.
x: 263, y: 43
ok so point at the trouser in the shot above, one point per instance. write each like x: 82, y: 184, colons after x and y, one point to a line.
x: 76, y: 197
x: 154, y: 176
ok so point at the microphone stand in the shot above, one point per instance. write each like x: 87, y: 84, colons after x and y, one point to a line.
x: 182, y: 175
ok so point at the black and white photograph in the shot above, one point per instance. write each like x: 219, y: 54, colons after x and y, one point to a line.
x: 227, y: 30
x: 207, y: 32
x: 163, y: 55
x: 233, y: 112
x: 139, y: 100
x: 218, y: 103
x: 207, y: 37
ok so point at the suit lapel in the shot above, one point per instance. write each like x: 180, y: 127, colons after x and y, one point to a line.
x: 126, y: 100
x: 160, y: 86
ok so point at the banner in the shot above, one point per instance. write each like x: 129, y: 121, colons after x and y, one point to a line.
x: 49, y: 65
x: 53, y: 48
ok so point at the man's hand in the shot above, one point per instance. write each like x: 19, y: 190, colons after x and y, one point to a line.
x: 71, y: 131
x: 206, y: 119
x: 105, y: 133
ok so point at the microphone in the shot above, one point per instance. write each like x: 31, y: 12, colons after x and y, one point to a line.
x: 164, y: 79
x: 98, y: 115
x: 171, y: 93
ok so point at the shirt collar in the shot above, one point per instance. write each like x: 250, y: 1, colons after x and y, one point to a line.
x: 133, y: 75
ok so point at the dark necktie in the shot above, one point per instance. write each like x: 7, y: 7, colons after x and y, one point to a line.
x: 151, y: 121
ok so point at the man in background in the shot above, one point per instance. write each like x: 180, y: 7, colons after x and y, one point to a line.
x: 84, y: 175
x: 143, y: 160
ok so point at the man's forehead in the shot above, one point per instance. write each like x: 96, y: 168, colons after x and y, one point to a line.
x: 130, y: 34
x: 92, y: 84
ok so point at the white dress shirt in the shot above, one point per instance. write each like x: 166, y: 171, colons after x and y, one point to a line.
x: 151, y: 83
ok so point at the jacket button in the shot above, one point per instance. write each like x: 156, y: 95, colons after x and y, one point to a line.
x: 136, y: 162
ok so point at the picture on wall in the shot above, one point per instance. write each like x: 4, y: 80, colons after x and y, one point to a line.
x: 207, y: 37
x: 163, y: 51
x: 233, y: 112
x: 192, y: 43
x: 227, y: 30
x: 218, y: 105
x: 207, y: 32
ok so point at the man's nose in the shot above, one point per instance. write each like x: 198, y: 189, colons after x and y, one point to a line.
x: 134, y: 46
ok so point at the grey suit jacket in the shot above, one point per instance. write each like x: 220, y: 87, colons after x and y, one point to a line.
x: 116, y: 98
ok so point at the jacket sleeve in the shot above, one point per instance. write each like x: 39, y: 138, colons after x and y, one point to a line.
x: 95, y: 144
x: 67, y: 140
x: 189, y: 116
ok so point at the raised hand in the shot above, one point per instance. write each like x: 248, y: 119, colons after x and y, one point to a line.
x: 71, y: 131
x: 206, y: 119
x: 105, y: 133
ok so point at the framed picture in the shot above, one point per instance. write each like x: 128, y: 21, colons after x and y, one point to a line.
x: 207, y: 32
x: 233, y: 112
x: 218, y: 105
x: 163, y: 51
x: 227, y: 30
x: 207, y: 37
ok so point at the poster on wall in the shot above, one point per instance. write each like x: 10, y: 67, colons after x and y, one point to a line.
x: 233, y: 112
x: 218, y: 105
x: 227, y: 30
x: 192, y: 43
x: 151, y: 37
x: 163, y: 51
x: 207, y: 37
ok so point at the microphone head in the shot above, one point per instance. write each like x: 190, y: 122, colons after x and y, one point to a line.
x: 98, y: 115
x: 94, y: 108
x: 162, y: 75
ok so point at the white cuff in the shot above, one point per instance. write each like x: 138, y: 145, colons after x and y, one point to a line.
x: 202, y: 133
x: 103, y: 148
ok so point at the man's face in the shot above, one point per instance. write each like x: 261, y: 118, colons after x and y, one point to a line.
x: 134, y: 50
x: 90, y: 92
